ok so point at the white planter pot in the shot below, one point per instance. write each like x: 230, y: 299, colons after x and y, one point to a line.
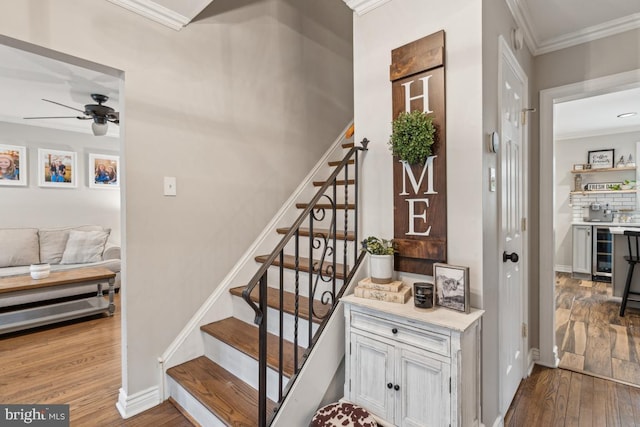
x: 381, y: 268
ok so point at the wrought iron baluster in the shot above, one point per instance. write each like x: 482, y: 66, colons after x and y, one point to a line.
x: 281, y: 328
x: 262, y: 365
x: 312, y: 240
x: 296, y: 302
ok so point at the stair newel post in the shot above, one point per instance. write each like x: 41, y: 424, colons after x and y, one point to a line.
x: 281, y: 327
x: 262, y: 368
x: 356, y: 181
x: 346, y: 218
x: 296, y: 301
x: 312, y: 270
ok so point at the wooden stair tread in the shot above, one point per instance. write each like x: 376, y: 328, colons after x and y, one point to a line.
x: 338, y: 182
x: 327, y: 206
x: 228, y: 397
x: 244, y: 337
x: 337, y: 162
x: 322, y: 231
x: 303, y: 264
x: 273, y: 301
x: 348, y: 145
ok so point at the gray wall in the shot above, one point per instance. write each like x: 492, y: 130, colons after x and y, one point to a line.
x: 239, y: 105
x: 39, y: 207
x: 496, y: 21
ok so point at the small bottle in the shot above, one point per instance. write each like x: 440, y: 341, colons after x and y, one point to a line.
x: 577, y: 182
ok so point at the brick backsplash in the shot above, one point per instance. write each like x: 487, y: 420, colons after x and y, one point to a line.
x: 616, y: 201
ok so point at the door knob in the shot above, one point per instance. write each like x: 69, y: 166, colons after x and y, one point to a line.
x: 512, y: 256
x: 396, y: 387
x: 389, y: 385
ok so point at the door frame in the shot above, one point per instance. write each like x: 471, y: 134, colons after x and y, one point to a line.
x: 506, y: 56
x: 548, y: 352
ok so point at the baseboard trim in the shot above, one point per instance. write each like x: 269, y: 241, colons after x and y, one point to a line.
x: 128, y: 406
x: 533, y: 356
x: 564, y: 268
x: 499, y: 422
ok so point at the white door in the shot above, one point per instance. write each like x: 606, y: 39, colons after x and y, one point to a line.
x: 513, y: 89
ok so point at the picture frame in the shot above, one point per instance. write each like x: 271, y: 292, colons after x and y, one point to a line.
x: 13, y: 165
x: 452, y: 286
x: 601, y: 159
x: 600, y: 186
x: 57, y: 168
x: 104, y: 171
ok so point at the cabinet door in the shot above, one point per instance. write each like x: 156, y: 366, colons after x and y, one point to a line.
x: 371, y: 373
x: 582, y: 249
x: 424, y: 394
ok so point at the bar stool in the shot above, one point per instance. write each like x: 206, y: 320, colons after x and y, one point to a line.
x: 633, y: 258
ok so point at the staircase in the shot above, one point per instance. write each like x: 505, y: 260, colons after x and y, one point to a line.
x: 250, y: 360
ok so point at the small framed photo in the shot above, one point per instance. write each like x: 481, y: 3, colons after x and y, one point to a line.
x: 103, y: 171
x: 601, y: 159
x: 57, y: 168
x: 13, y: 165
x: 452, y: 286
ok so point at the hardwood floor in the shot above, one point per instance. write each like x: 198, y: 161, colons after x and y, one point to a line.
x: 557, y: 397
x: 76, y: 363
x: 591, y: 336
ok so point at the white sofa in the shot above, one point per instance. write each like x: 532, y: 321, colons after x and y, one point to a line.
x: 63, y: 248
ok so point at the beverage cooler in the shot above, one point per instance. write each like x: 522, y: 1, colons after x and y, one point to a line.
x: 602, y: 254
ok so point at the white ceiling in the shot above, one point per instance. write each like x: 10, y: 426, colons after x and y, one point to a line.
x: 25, y: 78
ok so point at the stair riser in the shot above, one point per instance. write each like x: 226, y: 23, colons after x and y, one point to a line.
x: 242, y: 311
x: 192, y: 406
x: 239, y: 364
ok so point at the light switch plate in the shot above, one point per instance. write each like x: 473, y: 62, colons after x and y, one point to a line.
x: 492, y: 179
x: 170, y: 186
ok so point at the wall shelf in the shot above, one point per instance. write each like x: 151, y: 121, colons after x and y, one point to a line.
x: 585, y: 171
x: 586, y: 193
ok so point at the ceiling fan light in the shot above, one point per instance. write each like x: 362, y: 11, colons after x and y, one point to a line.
x: 99, y: 129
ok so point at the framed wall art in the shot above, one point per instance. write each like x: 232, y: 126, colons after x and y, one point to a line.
x: 103, y: 171
x: 601, y: 159
x: 452, y: 286
x: 13, y: 165
x: 57, y: 168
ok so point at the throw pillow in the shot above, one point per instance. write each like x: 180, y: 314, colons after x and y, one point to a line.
x: 84, y: 246
x: 19, y: 247
x: 53, y: 241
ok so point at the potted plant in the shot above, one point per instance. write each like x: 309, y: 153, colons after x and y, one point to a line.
x: 412, y: 137
x: 380, y: 258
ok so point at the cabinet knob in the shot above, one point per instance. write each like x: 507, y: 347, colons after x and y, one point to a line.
x: 396, y: 387
x: 394, y: 330
x: 389, y: 385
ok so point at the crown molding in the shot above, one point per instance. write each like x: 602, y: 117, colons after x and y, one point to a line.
x: 522, y: 16
x: 361, y: 7
x: 155, y: 12
x: 595, y: 32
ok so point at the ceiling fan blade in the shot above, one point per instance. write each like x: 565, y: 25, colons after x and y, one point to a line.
x: 62, y: 105
x: 59, y: 117
x: 114, y: 117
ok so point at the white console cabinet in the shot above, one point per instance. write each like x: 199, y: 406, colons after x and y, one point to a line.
x: 413, y: 367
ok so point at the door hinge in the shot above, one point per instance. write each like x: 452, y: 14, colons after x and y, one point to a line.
x: 524, y: 330
x: 349, y: 384
x: 524, y: 224
x: 449, y: 385
x: 349, y: 348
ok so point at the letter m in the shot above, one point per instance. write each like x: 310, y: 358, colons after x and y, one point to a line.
x: 407, y: 172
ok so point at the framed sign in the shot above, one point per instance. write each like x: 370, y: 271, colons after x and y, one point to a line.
x: 601, y: 159
x: 417, y: 75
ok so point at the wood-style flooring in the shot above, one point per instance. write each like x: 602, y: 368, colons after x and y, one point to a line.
x: 557, y: 397
x: 76, y: 363
x: 591, y: 336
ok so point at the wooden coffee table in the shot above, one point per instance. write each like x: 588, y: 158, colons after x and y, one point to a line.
x: 57, y: 312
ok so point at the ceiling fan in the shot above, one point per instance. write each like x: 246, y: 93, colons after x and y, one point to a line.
x: 100, y: 114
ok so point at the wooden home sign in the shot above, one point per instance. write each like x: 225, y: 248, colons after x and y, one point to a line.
x: 420, y: 191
